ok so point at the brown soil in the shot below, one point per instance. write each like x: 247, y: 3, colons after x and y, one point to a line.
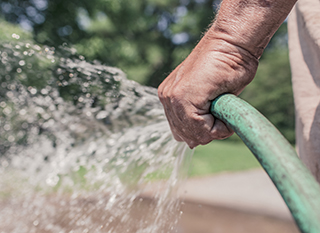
x: 214, y: 219
x: 85, y: 215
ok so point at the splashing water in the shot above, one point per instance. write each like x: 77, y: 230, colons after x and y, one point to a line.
x: 83, y: 149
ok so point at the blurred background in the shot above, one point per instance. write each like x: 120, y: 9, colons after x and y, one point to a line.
x: 147, y: 39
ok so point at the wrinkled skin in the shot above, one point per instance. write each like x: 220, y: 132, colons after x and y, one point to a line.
x: 224, y: 61
x: 213, y: 68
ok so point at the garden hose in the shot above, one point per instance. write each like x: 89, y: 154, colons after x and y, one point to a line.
x: 297, y: 186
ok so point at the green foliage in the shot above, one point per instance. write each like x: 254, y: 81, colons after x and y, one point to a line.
x: 10, y: 32
x: 148, y: 39
x: 221, y: 156
x: 145, y: 38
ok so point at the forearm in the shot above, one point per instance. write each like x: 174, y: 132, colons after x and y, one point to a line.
x: 224, y: 61
x: 250, y: 24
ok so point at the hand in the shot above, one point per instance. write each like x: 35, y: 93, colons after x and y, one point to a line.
x: 214, y: 67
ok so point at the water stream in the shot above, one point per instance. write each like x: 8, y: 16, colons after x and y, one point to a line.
x: 83, y: 149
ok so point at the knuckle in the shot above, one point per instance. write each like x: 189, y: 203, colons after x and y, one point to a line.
x: 205, y: 141
x: 202, y: 137
x: 161, y: 92
x: 222, y: 134
x: 192, y: 144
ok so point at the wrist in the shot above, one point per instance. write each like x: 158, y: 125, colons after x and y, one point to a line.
x: 245, y: 44
x: 234, y: 66
x: 250, y: 24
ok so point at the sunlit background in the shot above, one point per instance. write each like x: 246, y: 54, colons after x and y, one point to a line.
x: 146, y: 39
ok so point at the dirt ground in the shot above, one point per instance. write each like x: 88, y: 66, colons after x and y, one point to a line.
x: 197, y: 218
x: 85, y: 215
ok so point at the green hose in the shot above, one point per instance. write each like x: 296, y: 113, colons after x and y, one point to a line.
x: 294, y: 181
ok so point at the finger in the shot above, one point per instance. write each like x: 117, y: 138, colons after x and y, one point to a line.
x: 206, y: 130
x: 168, y: 113
x: 220, y: 130
x: 177, y: 132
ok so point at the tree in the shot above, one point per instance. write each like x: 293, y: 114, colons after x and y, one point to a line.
x: 145, y: 38
x: 148, y: 39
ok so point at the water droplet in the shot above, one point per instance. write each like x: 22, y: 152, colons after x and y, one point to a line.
x: 6, y: 127
x: 36, y: 223
x: 31, y: 52
x: 22, y: 63
x: 10, y: 94
x: 15, y: 36
x: 24, y: 125
x: 7, y: 111
x: 52, y: 180
x: 39, y: 110
x: 4, y: 55
x: 22, y: 112
x: 32, y: 90
x: 3, y: 104
x: 44, y: 91
x: 37, y: 47
x: 102, y: 115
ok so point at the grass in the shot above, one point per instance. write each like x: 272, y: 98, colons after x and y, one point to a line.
x: 7, y: 29
x: 221, y: 156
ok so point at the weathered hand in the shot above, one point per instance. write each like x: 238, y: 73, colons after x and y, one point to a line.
x: 214, y: 67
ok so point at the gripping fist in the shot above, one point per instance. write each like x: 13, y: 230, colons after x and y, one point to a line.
x: 214, y: 67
